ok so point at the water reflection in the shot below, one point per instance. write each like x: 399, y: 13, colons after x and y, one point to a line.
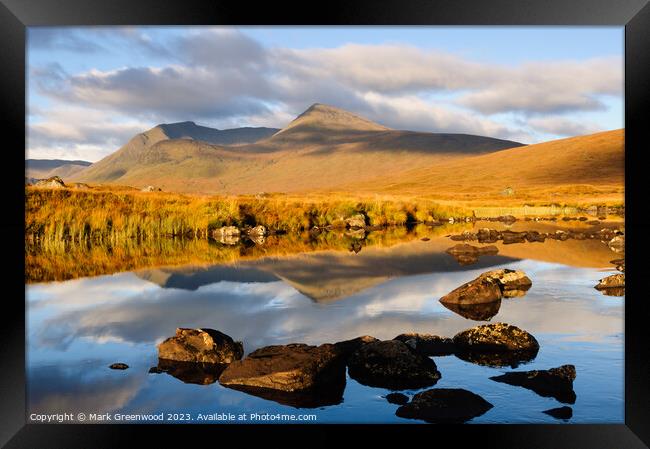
x: 76, y: 328
x: 476, y: 312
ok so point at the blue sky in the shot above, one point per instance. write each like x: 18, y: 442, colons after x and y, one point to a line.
x: 92, y: 88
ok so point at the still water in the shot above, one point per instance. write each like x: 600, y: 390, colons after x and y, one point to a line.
x: 78, y: 327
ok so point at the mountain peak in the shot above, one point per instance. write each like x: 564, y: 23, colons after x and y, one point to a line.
x: 325, y: 117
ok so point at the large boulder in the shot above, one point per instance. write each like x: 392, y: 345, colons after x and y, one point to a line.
x: 228, y: 235
x: 444, y: 405
x: 53, y: 182
x: 349, y: 347
x: 514, y: 281
x: 202, y: 346
x: 392, y: 364
x: 477, y: 291
x: 496, y: 345
x: 555, y: 382
x: 289, y: 368
x: 490, y: 286
x: 427, y: 344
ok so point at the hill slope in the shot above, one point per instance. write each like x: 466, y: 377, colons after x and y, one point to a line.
x: 45, y: 168
x: 322, y: 148
x: 596, y: 160
x: 129, y: 157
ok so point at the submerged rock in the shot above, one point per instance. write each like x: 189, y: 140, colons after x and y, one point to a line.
x: 476, y: 312
x: 486, y: 235
x: 610, y: 282
x: 564, y: 413
x: 200, y: 345
x: 497, y: 344
x: 444, y: 405
x: 555, y: 382
x: 429, y: 345
x: 289, y: 368
x: 119, y: 366
x: 397, y: 398
x: 392, y: 364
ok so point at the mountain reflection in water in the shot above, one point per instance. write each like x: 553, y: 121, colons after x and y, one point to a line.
x: 78, y: 327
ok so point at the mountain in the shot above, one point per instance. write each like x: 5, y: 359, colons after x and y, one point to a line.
x: 135, y: 153
x: 322, y: 148
x: 594, y: 161
x: 45, y: 168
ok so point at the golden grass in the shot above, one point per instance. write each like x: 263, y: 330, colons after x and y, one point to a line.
x: 110, y: 215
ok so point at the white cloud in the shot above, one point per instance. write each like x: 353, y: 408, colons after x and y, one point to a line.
x: 224, y: 78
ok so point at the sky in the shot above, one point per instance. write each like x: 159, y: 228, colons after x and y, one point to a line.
x: 90, y: 89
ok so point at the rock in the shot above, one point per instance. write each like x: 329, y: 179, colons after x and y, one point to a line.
x: 119, y: 366
x: 200, y: 345
x: 486, y: 235
x: 429, y: 345
x: 258, y: 230
x: 151, y: 189
x: 80, y: 186
x: 497, y: 344
x: 156, y: 370
x: 397, y: 398
x: 511, y: 282
x: 356, y: 221
x: 477, y: 291
x: 489, y: 287
x: 564, y: 413
x: 392, y: 364
x: 444, y: 405
x: 425, y: 239
x: 507, y: 219
x: 583, y: 218
x: 535, y: 236
x: 593, y: 222
x: 617, y: 244
x: 348, y: 347
x: 613, y: 281
x: 357, y: 233
x: 324, y: 394
x: 476, y: 312
x: 555, y: 382
x: 191, y: 372
x: 613, y: 291
x: 51, y: 183
x: 510, y: 237
x: 257, y: 239
x: 289, y: 368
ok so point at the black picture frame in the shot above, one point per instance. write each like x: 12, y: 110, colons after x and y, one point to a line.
x: 16, y: 15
